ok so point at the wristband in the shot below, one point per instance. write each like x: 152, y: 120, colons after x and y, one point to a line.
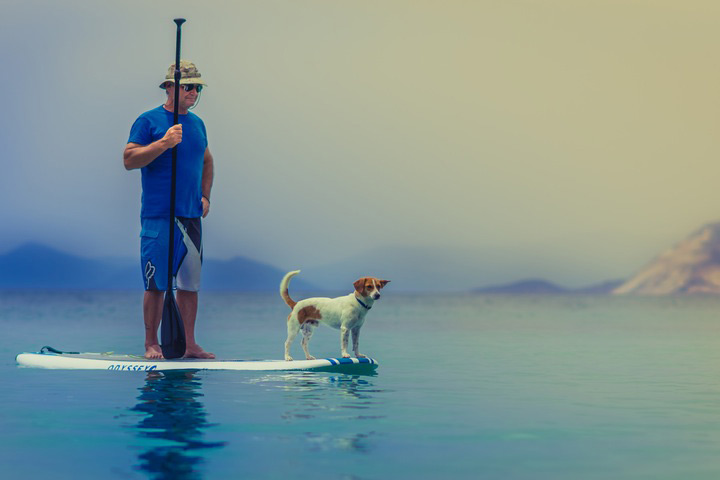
x: 206, y: 198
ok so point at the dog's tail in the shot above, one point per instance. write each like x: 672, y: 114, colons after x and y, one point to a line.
x: 284, y: 288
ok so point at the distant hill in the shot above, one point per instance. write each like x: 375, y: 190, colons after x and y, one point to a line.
x: 691, y: 266
x: 604, y: 288
x: 434, y: 268
x: 37, y: 266
x: 34, y: 266
x: 544, y: 287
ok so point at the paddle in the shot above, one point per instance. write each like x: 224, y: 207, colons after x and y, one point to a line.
x: 172, y: 332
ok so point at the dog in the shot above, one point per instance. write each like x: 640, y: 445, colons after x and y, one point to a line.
x: 346, y: 314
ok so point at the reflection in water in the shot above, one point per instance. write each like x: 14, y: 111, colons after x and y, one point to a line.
x: 321, y: 413
x: 325, y: 406
x: 175, y: 417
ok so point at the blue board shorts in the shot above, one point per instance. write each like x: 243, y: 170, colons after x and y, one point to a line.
x: 187, y: 262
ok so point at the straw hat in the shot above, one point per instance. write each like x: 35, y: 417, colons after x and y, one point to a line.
x: 189, y: 74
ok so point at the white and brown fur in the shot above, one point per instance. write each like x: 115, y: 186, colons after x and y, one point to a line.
x: 345, y: 313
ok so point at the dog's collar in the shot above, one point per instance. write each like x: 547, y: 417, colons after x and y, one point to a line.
x: 361, y: 303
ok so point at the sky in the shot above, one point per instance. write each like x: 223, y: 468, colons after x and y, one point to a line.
x: 564, y: 139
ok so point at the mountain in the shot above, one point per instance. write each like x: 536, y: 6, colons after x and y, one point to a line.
x: 691, y: 266
x: 410, y: 269
x: 247, y: 275
x: 530, y: 286
x: 34, y: 266
x: 544, y: 287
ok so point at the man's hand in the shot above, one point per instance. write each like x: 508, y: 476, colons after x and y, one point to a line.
x: 173, y: 136
x: 206, y: 207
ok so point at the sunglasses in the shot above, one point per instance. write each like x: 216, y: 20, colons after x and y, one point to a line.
x: 190, y: 87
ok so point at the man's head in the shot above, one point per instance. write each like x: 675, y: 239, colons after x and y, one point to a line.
x: 191, y: 84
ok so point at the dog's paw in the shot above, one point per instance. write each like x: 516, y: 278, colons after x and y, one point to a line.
x: 310, y: 357
x: 346, y: 355
x: 288, y: 358
x: 360, y: 355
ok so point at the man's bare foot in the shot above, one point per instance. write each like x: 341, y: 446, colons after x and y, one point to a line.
x: 153, y: 352
x: 197, y: 352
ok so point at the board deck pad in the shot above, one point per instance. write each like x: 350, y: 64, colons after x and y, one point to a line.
x: 113, y: 362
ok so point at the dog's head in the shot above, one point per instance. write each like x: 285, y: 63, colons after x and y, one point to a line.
x: 369, y: 287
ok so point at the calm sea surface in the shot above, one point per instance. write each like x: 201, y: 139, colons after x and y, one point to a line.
x: 469, y: 387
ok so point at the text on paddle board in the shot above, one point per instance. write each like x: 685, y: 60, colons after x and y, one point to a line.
x: 135, y: 368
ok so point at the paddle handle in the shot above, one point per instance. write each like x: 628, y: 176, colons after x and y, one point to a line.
x: 178, y: 22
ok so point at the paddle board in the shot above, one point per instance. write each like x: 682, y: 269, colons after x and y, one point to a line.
x: 133, y: 363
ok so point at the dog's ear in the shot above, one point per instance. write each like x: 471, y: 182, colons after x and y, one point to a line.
x: 383, y: 283
x: 360, y: 285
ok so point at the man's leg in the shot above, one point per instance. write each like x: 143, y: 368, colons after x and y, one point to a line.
x: 188, y: 304
x: 152, y: 314
x: 153, y: 258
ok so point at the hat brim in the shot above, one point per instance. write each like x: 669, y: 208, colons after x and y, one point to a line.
x: 185, y: 81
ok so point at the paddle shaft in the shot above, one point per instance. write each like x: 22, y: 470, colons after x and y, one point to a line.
x: 173, y: 180
x: 172, y: 331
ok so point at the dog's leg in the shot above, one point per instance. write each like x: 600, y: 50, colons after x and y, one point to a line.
x: 293, y: 329
x: 356, y: 341
x: 308, y: 328
x: 344, y: 334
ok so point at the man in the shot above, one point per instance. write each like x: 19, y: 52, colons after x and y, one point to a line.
x: 149, y: 148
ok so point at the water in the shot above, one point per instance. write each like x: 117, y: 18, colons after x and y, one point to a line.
x: 492, y: 387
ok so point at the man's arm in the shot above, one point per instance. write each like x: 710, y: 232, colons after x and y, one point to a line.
x: 138, y: 156
x: 207, y: 180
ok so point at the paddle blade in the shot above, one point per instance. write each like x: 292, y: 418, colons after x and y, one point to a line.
x: 172, y: 332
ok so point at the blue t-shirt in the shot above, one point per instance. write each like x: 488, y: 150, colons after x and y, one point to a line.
x: 157, y: 176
